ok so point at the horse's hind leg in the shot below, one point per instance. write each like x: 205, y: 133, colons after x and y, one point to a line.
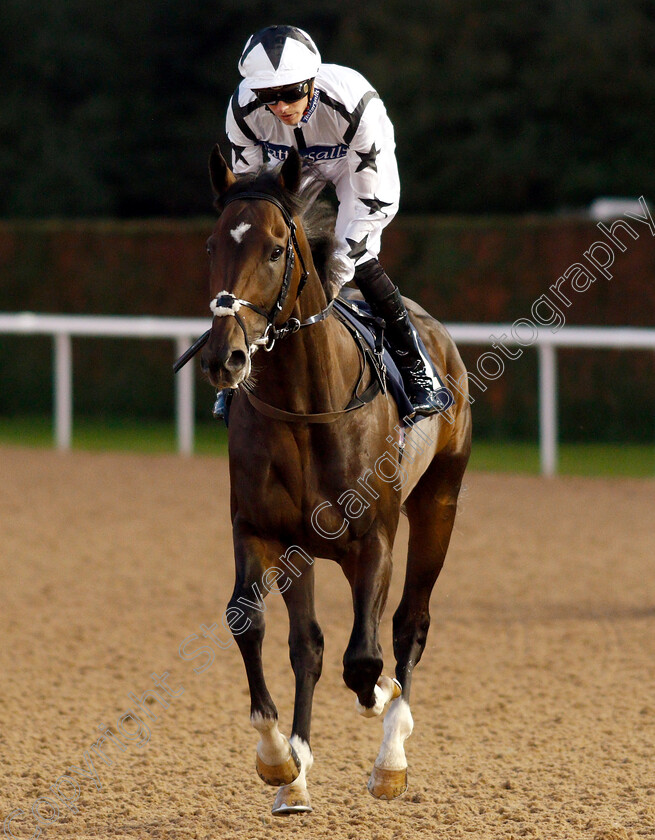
x: 368, y: 569
x: 306, y: 654
x: 431, y: 509
x: 277, y: 762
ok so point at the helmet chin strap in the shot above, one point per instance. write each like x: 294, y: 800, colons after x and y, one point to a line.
x: 310, y: 96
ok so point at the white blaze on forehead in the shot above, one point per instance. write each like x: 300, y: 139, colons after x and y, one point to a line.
x: 238, y: 231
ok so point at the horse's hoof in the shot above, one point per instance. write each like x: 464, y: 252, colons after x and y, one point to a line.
x: 387, y: 784
x: 291, y: 800
x: 279, y: 774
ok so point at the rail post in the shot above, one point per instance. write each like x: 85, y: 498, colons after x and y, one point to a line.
x: 548, y: 454
x: 184, y: 401
x: 63, y: 391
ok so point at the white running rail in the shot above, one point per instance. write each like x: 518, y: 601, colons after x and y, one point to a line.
x: 183, y: 331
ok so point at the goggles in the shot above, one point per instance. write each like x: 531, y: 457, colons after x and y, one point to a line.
x: 288, y: 93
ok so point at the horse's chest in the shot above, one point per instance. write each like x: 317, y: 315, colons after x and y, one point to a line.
x: 326, y: 496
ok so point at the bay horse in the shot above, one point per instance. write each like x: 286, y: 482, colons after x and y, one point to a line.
x: 309, y: 479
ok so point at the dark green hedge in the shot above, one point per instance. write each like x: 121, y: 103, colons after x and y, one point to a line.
x: 498, y: 106
x: 461, y: 269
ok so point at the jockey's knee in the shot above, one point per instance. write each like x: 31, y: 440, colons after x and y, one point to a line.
x: 373, y: 281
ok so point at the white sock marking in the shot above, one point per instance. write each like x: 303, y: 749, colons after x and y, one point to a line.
x: 273, y: 747
x: 398, y: 726
x: 304, y: 753
x: 238, y: 232
x: 289, y: 796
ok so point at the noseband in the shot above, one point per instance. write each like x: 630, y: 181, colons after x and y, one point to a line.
x: 225, y: 303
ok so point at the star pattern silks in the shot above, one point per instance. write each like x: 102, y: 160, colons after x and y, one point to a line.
x: 357, y: 249
x: 367, y: 159
x: 273, y: 40
x: 375, y: 205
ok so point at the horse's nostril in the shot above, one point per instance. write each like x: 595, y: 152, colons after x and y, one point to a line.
x: 236, y: 361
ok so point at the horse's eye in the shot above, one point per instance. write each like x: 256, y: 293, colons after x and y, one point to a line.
x: 276, y: 253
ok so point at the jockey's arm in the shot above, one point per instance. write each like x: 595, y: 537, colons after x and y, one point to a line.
x: 368, y: 189
x: 246, y: 152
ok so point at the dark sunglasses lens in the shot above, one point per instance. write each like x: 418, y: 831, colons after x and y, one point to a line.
x: 266, y: 97
x: 288, y: 95
x: 292, y: 95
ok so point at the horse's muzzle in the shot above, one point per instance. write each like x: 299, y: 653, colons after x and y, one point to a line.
x: 225, y: 370
x: 224, y: 364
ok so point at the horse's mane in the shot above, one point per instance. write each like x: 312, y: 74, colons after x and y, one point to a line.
x: 316, y: 215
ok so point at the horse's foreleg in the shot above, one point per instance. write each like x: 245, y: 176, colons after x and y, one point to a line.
x: 389, y: 777
x: 277, y: 762
x: 431, y: 510
x: 306, y: 654
x: 368, y: 569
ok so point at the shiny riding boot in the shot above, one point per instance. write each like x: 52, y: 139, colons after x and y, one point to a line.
x: 386, y: 303
x: 221, y: 404
x: 417, y: 378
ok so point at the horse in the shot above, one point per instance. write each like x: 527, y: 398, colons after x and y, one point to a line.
x: 317, y: 472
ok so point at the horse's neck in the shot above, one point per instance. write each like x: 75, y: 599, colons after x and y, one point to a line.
x: 313, y: 370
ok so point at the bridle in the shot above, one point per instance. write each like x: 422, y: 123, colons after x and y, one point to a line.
x: 226, y: 304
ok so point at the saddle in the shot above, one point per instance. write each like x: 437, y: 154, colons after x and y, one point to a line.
x: 368, y: 332
x: 356, y: 314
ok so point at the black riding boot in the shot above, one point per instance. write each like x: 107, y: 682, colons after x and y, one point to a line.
x: 222, y: 404
x: 386, y: 303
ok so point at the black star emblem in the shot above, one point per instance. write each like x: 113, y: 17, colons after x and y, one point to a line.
x: 375, y: 205
x: 368, y: 159
x: 237, y: 154
x: 357, y: 249
x: 273, y: 39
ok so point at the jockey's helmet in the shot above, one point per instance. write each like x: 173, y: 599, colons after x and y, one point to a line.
x: 277, y: 56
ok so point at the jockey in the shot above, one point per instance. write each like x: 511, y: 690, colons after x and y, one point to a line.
x: 337, y: 122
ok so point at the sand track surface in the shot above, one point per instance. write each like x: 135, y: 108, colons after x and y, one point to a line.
x: 534, y: 705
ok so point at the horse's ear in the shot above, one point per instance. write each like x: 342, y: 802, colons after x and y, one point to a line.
x: 290, y: 172
x: 220, y: 174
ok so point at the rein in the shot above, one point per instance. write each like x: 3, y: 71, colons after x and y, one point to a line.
x: 357, y: 401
